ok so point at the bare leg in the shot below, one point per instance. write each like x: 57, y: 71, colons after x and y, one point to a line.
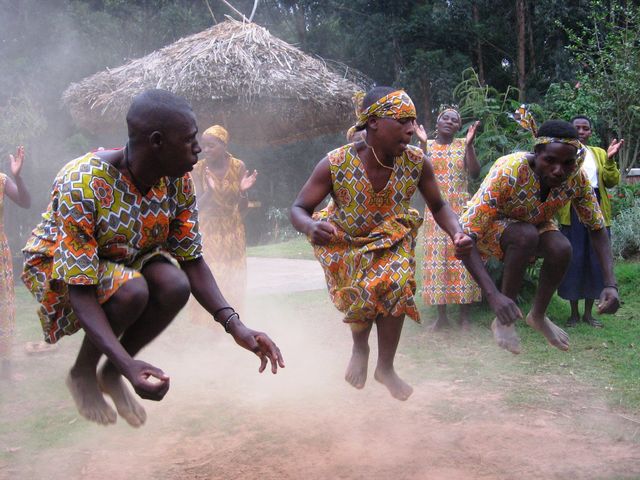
x: 556, y: 251
x: 442, y: 321
x: 389, y: 330
x: 519, y: 242
x: 356, y: 373
x: 575, y: 314
x: 124, y: 306
x: 588, y: 314
x: 463, y: 320
x: 168, y: 293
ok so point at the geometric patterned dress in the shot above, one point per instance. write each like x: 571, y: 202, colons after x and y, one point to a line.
x: 369, y: 265
x: 7, y: 299
x: 223, y: 233
x: 511, y: 193
x: 445, y: 279
x: 100, y: 230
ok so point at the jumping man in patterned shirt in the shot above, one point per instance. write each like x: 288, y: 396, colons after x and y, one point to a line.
x: 366, y: 236
x: 118, y: 253
x: 511, y: 219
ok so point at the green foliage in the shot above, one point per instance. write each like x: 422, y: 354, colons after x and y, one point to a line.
x: 499, y: 135
x: 21, y: 119
x: 625, y: 231
x: 565, y: 101
x: 623, y: 197
x: 605, y: 50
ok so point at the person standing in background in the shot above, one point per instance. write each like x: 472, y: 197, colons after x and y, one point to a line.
x: 583, y: 279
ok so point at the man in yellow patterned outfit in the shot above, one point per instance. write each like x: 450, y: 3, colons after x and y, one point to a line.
x: 365, y: 238
x: 511, y: 219
x: 118, y: 253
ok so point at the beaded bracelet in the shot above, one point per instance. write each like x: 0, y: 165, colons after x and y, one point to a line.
x: 220, y: 310
x: 226, y: 322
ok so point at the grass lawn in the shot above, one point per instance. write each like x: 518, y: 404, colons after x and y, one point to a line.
x: 607, y: 358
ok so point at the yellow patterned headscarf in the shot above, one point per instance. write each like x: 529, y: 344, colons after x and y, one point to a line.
x: 217, y: 131
x: 574, y: 142
x: 523, y: 117
x: 397, y: 105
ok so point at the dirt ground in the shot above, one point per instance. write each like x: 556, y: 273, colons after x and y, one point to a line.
x: 221, y: 420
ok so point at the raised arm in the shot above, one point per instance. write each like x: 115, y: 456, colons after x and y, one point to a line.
x: 470, y: 160
x: 317, y: 187
x: 15, y: 187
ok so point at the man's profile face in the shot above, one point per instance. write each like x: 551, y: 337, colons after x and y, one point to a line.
x: 181, y: 146
x: 554, y: 163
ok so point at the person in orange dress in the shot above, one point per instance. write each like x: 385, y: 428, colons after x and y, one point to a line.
x: 365, y: 238
x: 222, y: 183
x: 14, y: 188
x: 445, y: 280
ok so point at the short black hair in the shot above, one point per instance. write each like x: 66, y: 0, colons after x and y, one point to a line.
x: 155, y: 110
x: 556, y: 129
x: 582, y: 117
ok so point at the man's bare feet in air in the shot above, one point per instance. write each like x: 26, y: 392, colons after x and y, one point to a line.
x: 553, y: 333
x: 397, y: 387
x: 506, y: 336
x: 88, y: 398
x: 356, y: 373
x: 111, y: 383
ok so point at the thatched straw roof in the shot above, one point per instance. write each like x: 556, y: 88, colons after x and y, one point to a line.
x: 262, y: 89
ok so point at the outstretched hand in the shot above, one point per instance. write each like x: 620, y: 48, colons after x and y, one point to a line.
x: 260, y: 344
x: 248, y: 180
x: 609, y: 301
x: 141, y: 375
x: 614, y: 147
x: 463, y: 244
x: 471, y: 133
x: 17, y: 161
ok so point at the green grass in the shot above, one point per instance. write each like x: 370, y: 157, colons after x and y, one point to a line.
x: 298, y: 247
x: 608, y: 358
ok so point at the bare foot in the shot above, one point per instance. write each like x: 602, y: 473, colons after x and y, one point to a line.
x: 441, y: 323
x: 112, y: 384
x: 465, y: 324
x: 506, y: 336
x: 89, y: 400
x: 573, y: 321
x: 397, y: 387
x: 553, y: 333
x: 356, y: 373
x: 588, y: 318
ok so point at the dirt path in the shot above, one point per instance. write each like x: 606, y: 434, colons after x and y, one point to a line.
x: 221, y: 420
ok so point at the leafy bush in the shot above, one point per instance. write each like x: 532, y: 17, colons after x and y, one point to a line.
x: 625, y: 231
x: 623, y: 197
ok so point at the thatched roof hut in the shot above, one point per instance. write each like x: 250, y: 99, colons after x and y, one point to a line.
x: 264, y: 90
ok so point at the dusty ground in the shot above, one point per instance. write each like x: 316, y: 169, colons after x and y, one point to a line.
x: 221, y: 420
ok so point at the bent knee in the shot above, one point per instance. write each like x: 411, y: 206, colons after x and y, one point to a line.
x: 169, y: 287
x: 558, y: 248
x: 132, y: 293
x: 521, y: 236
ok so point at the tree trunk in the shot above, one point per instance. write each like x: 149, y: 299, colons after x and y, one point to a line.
x: 478, y: 48
x: 521, y: 31
x: 532, y: 51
